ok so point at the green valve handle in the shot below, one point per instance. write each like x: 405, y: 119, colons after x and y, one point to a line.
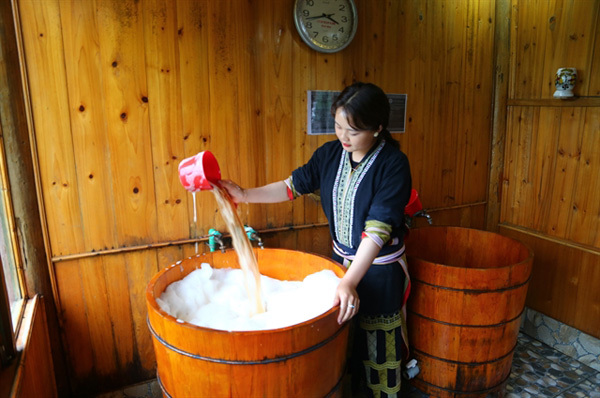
x: 253, y: 236
x: 214, y: 239
x: 250, y: 233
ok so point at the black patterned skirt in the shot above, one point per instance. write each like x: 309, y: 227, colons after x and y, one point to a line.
x: 379, y: 342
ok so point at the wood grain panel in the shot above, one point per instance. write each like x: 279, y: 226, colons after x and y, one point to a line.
x: 595, y: 77
x: 550, y: 192
x: 192, y: 33
x: 44, y: 51
x: 274, y: 58
x: 124, y: 88
x: 565, y: 173
x: 547, y: 35
x: 164, y: 99
x: 564, y: 280
x: 141, y: 267
x: 550, y: 184
x: 94, y: 287
x: 82, y: 66
x: 119, y: 307
x: 75, y: 328
x: 585, y: 218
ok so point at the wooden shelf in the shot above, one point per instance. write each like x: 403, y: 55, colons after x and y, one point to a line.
x: 571, y: 102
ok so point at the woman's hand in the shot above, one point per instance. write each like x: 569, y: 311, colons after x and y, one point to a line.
x: 347, y: 297
x: 237, y: 193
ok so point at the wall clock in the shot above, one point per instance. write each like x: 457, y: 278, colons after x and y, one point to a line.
x: 326, y: 25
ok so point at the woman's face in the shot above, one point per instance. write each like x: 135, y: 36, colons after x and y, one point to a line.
x: 357, y: 142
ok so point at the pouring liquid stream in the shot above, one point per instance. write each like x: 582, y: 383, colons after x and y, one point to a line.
x: 195, y: 219
x: 241, y: 244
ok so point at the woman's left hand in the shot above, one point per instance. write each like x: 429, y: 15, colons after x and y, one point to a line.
x: 347, y: 297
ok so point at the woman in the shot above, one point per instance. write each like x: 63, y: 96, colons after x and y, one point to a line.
x: 365, y: 183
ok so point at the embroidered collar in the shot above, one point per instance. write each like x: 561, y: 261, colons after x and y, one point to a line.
x: 345, y: 187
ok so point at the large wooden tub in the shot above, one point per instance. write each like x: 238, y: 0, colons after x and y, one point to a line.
x: 468, y: 294
x: 304, y: 360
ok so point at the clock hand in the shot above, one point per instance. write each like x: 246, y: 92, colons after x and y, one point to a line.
x: 319, y: 16
x: 328, y: 16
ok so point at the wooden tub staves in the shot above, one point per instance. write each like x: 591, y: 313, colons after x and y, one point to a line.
x: 468, y: 294
x: 303, y: 360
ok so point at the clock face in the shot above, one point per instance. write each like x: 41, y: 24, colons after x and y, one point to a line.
x: 326, y: 25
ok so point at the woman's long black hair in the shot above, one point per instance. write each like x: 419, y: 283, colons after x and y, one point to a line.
x: 367, y: 107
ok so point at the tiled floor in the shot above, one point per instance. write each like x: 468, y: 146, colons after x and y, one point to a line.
x: 538, y: 371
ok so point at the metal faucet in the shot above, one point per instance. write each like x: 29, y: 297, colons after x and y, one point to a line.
x: 421, y: 213
x: 215, y: 238
x: 253, y: 235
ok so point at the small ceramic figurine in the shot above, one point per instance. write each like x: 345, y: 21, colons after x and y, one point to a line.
x: 565, y: 82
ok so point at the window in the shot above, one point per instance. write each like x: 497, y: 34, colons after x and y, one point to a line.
x: 7, y: 255
x: 11, y: 299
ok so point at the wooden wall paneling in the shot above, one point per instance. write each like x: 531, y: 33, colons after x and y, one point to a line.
x: 594, y: 87
x: 517, y: 163
x: 470, y: 216
x: 190, y: 251
x: 95, y: 296
x: 303, y: 80
x: 547, y: 36
x: 499, y: 117
x: 164, y: 108
x: 527, y: 50
x: 192, y: 22
x: 82, y: 64
x: 169, y: 255
x: 394, y: 46
x: 567, y: 164
x: 314, y: 240
x: 119, y: 308
x: 585, y: 205
x: 541, y: 178
x: 328, y: 76
x: 46, y: 73
x: 526, y: 146
x: 477, y: 88
x: 413, y: 84
x: 75, y: 329
x: 453, y: 25
x: 127, y: 121
x: 141, y: 267
x: 563, y: 282
x: 435, y: 107
x: 274, y: 58
x: 370, y: 33
x: 223, y: 70
x: 250, y: 111
x: 569, y: 42
x: 394, y: 77
x: 512, y: 131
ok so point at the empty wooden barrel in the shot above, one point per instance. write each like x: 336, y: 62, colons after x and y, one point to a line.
x: 303, y: 360
x: 468, y: 294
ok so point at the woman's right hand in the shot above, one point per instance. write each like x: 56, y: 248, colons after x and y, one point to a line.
x: 237, y: 193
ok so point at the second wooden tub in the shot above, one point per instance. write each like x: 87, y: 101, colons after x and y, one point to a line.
x: 468, y: 294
